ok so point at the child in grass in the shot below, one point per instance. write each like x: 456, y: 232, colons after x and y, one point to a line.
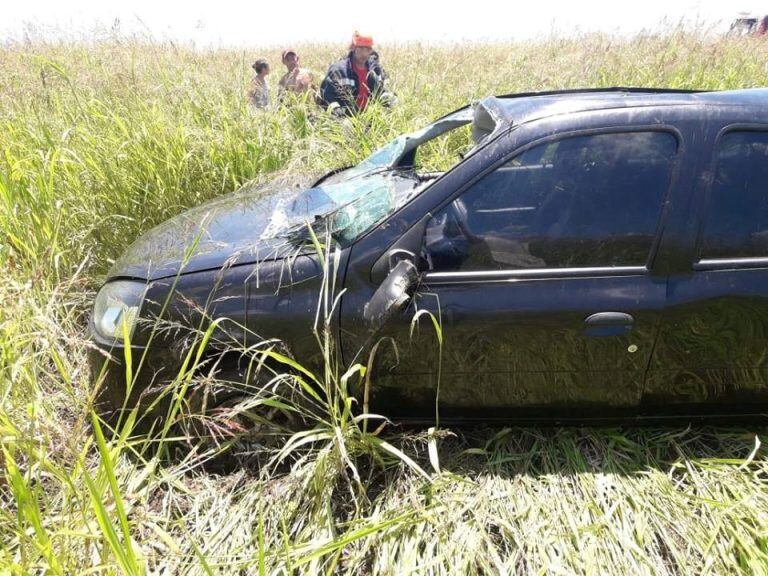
x: 258, y: 94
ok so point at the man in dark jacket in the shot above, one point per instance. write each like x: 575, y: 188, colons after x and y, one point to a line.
x: 352, y: 82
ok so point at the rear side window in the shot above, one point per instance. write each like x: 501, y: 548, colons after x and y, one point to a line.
x: 736, y: 221
x: 584, y: 201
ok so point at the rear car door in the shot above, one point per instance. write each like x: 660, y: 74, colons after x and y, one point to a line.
x: 712, y: 353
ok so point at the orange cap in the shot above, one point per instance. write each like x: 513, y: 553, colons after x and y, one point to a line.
x: 360, y: 40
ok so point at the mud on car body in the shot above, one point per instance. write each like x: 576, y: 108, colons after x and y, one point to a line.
x: 595, y: 255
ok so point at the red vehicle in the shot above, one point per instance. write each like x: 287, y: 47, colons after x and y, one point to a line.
x: 749, y: 25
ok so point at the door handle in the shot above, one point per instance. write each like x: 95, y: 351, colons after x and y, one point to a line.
x: 605, y: 324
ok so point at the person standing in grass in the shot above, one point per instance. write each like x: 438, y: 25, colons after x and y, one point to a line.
x: 258, y: 94
x: 296, y: 80
x: 352, y: 82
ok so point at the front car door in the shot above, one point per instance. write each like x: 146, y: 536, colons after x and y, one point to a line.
x: 540, y: 270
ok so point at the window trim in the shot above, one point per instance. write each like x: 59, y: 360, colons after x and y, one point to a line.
x: 731, y: 263
x: 586, y: 271
x: 708, y: 264
x: 455, y: 277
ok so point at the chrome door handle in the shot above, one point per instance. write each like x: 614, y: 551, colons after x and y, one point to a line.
x: 608, y: 324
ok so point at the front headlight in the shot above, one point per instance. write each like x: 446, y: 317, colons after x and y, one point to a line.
x: 118, y: 303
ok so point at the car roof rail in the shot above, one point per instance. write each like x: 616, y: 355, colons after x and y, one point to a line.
x: 620, y: 89
x: 617, y: 89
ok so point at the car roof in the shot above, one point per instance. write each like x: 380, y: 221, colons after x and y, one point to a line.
x: 521, y: 108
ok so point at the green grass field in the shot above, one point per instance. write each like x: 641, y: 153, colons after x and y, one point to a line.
x: 99, y: 142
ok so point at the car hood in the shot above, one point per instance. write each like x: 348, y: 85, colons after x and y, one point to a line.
x: 258, y: 224
x: 242, y: 227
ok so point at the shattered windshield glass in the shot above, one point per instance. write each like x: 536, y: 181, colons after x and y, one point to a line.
x: 384, y: 157
x: 385, y: 195
x: 348, y: 208
x: 487, y: 117
x: 350, y: 202
x: 389, y: 155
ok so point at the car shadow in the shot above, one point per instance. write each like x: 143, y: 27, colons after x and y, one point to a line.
x: 513, y: 451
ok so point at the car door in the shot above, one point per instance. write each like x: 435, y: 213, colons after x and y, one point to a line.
x: 540, y: 275
x: 712, y: 353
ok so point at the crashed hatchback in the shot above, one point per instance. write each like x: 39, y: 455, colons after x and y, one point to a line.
x: 594, y: 255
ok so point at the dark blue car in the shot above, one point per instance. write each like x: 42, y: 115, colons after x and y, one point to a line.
x: 594, y: 255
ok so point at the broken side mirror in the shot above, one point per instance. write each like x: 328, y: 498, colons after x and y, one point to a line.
x: 409, y: 247
x: 392, y: 295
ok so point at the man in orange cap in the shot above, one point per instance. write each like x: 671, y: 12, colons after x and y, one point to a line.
x: 353, y: 81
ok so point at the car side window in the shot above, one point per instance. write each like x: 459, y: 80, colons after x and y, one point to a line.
x: 583, y: 201
x: 736, y: 220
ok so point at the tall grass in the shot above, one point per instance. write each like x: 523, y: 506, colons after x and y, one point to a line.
x: 99, y: 142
